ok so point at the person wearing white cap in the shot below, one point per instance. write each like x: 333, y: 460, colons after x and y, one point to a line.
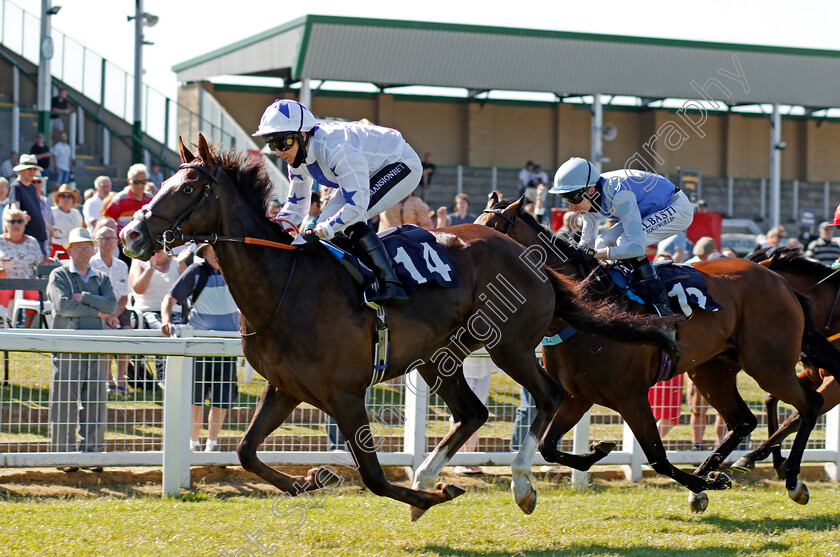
x: 24, y: 195
x: 371, y: 167
x: 647, y: 206
x: 82, y: 298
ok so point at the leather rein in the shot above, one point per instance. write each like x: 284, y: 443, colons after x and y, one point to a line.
x: 172, y: 234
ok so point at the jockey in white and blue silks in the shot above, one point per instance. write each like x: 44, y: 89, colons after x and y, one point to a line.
x: 372, y: 167
x: 647, y: 206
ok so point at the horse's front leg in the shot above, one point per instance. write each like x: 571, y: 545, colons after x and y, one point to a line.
x: 273, y: 409
x: 468, y: 414
x: 350, y: 415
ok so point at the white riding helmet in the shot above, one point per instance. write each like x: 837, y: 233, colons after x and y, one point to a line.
x: 574, y: 174
x: 285, y: 115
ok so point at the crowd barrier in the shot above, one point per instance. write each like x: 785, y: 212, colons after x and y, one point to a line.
x: 151, y: 426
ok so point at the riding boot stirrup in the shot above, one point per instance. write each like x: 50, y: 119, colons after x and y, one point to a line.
x: 391, y: 292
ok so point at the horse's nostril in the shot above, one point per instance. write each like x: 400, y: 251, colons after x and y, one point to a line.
x: 132, y: 235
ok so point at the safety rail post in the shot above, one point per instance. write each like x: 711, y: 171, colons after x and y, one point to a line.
x: 414, y: 432
x: 177, y: 420
x: 460, y: 180
x: 580, y: 445
x: 832, y: 441
x: 630, y: 445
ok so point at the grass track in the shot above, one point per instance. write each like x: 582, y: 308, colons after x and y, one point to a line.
x: 650, y: 519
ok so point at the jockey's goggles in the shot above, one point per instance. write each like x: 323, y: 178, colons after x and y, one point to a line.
x: 574, y: 197
x: 281, y: 142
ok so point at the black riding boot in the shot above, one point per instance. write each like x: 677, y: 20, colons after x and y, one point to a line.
x: 645, y: 272
x: 391, y: 291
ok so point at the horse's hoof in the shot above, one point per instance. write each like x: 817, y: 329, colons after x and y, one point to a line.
x: 451, y: 491
x: 416, y: 513
x: 325, y: 477
x: 718, y: 480
x: 698, y: 501
x: 799, y: 494
x: 529, y: 502
x: 743, y: 465
x: 602, y: 447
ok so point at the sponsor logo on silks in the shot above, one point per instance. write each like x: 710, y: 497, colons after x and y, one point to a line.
x: 398, y: 169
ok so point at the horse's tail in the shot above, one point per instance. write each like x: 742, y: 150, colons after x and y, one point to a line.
x: 605, y: 320
x: 817, y: 351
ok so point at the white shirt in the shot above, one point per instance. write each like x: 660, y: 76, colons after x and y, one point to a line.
x: 92, y: 210
x: 62, y: 155
x: 344, y: 156
x: 65, y: 222
x: 117, y: 272
x: 159, y: 286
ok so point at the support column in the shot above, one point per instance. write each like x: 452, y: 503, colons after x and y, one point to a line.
x: 44, y: 71
x: 775, y: 166
x: 306, y: 92
x: 596, y: 145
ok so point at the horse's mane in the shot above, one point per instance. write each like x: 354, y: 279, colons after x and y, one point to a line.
x: 793, y: 260
x: 566, y: 243
x: 250, y: 177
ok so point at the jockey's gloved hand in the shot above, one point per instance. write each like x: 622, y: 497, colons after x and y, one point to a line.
x: 582, y: 255
x: 306, y: 238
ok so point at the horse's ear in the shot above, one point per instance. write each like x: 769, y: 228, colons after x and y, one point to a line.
x: 767, y: 262
x: 519, y: 205
x: 203, y: 149
x: 186, y: 156
x: 492, y: 199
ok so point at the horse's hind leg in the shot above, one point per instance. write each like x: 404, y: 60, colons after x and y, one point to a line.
x: 273, y: 409
x: 548, y: 393
x: 569, y: 413
x: 351, y: 416
x: 468, y: 414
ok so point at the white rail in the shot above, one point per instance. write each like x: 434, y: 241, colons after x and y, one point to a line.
x: 176, y: 457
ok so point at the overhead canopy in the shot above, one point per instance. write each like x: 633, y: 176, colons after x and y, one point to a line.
x: 394, y: 53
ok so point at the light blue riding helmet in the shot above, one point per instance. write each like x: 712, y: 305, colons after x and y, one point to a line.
x: 574, y: 174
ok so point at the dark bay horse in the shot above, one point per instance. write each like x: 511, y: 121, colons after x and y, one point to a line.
x: 306, y: 333
x: 763, y: 327
x: 822, y: 286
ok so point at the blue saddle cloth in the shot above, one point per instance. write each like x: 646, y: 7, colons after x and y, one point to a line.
x: 683, y: 283
x: 417, y: 257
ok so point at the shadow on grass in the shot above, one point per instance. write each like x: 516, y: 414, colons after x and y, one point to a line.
x: 766, y: 525
x: 600, y: 549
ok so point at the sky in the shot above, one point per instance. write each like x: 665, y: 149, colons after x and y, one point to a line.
x: 189, y: 29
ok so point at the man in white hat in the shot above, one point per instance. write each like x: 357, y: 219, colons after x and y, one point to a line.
x: 24, y: 195
x: 82, y: 298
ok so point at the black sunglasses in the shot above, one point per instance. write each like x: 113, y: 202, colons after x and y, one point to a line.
x: 16, y: 221
x: 282, y: 142
x: 574, y: 196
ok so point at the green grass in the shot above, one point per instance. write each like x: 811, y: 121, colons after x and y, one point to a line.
x: 650, y: 519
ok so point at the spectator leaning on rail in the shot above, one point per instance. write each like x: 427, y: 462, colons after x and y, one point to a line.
x: 372, y: 168
x: 213, y: 309
x: 648, y: 207
x: 82, y: 298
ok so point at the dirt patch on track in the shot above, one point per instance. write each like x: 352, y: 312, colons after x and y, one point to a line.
x: 123, y: 482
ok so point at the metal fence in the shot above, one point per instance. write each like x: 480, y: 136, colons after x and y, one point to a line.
x: 150, y: 425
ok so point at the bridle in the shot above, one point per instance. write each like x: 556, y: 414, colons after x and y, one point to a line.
x: 172, y: 234
x: 511, y: 222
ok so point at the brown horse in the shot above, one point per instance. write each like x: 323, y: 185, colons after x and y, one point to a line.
x: 308, y: 335
x: 762, y: 328
x: 822, y: 286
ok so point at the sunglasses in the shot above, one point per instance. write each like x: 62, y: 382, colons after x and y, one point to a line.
x: 16, y: 221
x: 108, y: 239
x: 574, y: 197
x: 139, y: 181
x: 282, y: 143
x: 66, y: 196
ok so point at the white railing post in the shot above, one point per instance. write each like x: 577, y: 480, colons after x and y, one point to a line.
x: 730, y: 197
x: 632, y: 471
x: 581, y: 445
x: 460, y: 183
x: 177, y: 420
x: 494, y: 178
x: 832, y: 441
x: 414, y: 431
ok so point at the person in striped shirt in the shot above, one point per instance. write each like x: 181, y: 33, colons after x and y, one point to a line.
x: 123, y: 205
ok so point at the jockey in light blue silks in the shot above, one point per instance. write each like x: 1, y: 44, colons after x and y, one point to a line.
x: 647, y: 206
x: 372, y: 167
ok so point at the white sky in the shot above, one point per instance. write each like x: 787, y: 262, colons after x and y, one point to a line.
x: 188, y: 29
